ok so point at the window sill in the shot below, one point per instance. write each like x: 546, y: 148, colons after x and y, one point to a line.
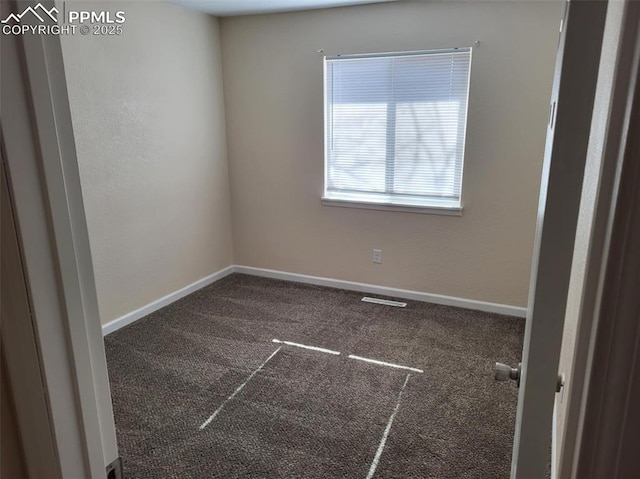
x: 428, y: 210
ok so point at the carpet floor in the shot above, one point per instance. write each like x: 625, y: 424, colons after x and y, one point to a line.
x: 200, y: 390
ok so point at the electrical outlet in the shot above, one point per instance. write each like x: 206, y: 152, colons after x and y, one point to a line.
x: 377, y: 256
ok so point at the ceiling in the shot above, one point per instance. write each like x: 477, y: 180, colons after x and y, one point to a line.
x: 228, y: 8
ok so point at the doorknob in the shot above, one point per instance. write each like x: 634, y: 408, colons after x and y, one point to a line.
x: 505, y: 372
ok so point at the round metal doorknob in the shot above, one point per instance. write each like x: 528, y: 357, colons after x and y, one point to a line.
x: 505, y: 372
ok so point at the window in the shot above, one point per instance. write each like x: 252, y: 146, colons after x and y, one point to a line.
x: 394, y: 129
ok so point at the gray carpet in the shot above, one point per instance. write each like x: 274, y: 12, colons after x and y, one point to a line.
x: 306, y: 413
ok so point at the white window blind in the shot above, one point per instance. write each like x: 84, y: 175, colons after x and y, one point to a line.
x: 395, y: 127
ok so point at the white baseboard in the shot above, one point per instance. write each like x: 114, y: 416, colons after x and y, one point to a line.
x: 386, y: 291
x: 129, y: 318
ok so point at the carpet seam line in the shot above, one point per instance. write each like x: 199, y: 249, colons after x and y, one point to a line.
x: 383, y: 441
x: 237, y: 391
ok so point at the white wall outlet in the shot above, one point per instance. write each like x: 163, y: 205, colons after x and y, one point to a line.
x: 377, y: 256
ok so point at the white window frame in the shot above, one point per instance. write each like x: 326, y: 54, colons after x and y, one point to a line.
x: 360, y: 200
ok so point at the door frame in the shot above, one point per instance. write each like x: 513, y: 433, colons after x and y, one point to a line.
x: 606, y: 421
x: 609, y: 210
x: 45, y: 186
x: 20, y: 357
x: 569, y: 127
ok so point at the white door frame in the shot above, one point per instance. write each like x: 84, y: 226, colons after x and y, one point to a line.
x: 20, y: 351
x: 605, y: 408
x: 572, y: 101
x: 601, y: 311
x: 44, y: 183
x: 46, y: 192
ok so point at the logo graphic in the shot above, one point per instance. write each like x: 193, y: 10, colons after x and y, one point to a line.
x: 34, y: 11
x: 83, y: 22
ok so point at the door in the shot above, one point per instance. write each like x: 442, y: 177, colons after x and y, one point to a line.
x: 569, y: 127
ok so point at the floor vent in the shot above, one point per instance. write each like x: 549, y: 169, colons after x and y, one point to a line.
x: 386, y: 302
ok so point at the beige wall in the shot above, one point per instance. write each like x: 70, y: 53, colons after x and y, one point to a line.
x: 273, y: 96
x: 148, y: 116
